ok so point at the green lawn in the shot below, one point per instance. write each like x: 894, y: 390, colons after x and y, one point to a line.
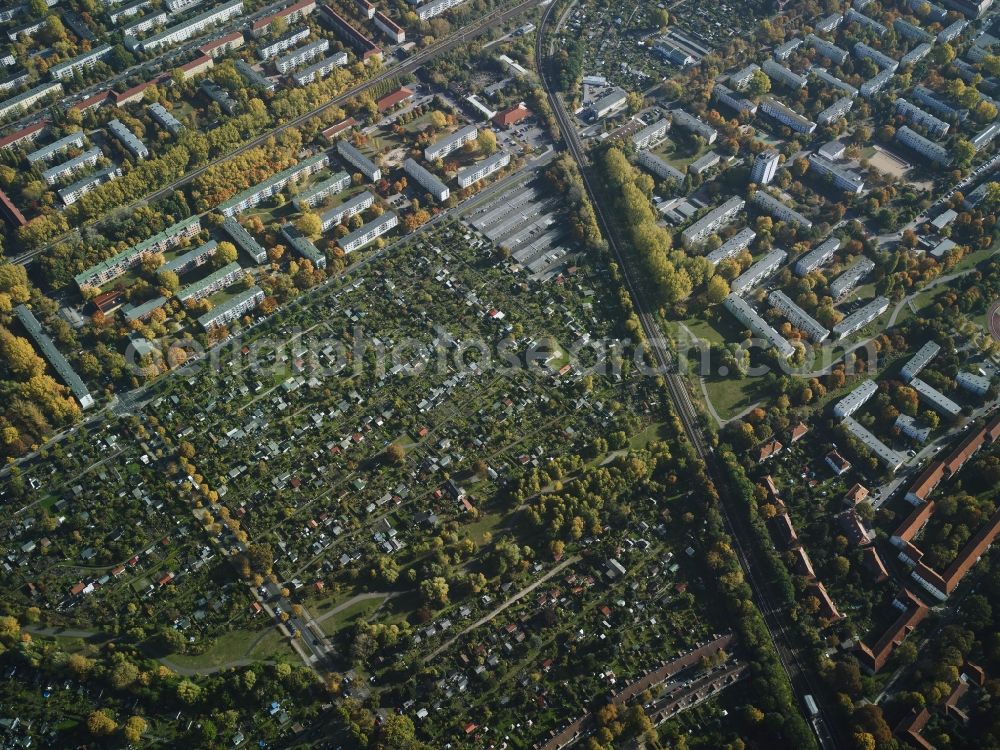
x: 730, y: 396
x: 349, y: 615
x: 262, y: 645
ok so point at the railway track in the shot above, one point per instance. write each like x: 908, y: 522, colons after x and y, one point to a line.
x: 481, y: 25
x: 801, y: 679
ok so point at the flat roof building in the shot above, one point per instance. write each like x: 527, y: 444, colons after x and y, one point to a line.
x: 232, y: 309
x: 302, y: 55
x: 891, y: 459
x: 812, y: 328
x: 26, y: 100
x: 827, y: 49
x: 734, y: 101
x: 347, y: 209
x: 732, y: 247
x: 451, y: 142
x: 166, y: 120
x: 919, y: 361
x: 744, y: 312
x: 192, y: 259
x: 304, y: 246
x: 319, y: 70
x: 66, y: 69
x: 912, y: 429
x: 116, y: 265
x: 273, y: 185
x: 783, y: 75
x: 835, y: 111
x: 854, y: 400
x: 651, y: 134
x: 862, y: 51
x: 255, y: 78
x: 786, y: 116
x: 758, y: 271
x: 916, y: 116
x: 72, y: 193
x: 45, y: 153
x: 712, y: 221
x: 765, y: 166
x: 54, y: 357
x: 128, y: 139
x: 88, y: 158
x: 610, y: 103
x: 244, y: 240
x: 186, y: 29
x: 860, y: 318
x: 741, y: 78
x: 286, y: 41
x: 876, y: 83
x: 927, y: 148
x: 853, y: 16
x: 935, y: 399
x: 359, y: 161
x: 427, y: 10
x: 977, y: 385
x: 849, y: 279
x: 214, y: 282
x: 916, y: 54
x: 778, y: 210
x: 428, y: 181
x: 816, y: 257
x: 470, y: 175
x: 656, y: 165
x: 694, y: 125
x: 840, y: 177
x: 369, y: 232
x: 831, y: 80
x: 321, y: 190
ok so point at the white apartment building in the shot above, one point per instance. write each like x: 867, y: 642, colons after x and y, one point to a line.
x: 732, y: 247
x: 816, y: 257
x: 842, y: 178
x: 778, y: 210
x: 765, y: 166
x: 451, y: 142
x: 927, y: 148
x: 427, y: 180
x: 860, y: 318
x: 849, y: 279
x: 759, y: 271
x: 653, y: 163
x: 786, y: 116
x: 369, y: 232
x: 798, y: 317
x: 743, y: 311
x: 480, y: 170
x: 708, y: 224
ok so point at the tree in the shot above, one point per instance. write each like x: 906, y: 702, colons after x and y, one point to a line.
x: 557, y: 546
x: 395, y: 453
x: 963, y: 152
x: 487, y: 142
x: 18, y: 355
x: 101, y: 724
x: 434, y: 590
x: 759, y: 84
x: 438, y: 119
x: 225, y: 254
x: 169, y: 280
x: 310, y: 225
x: 188, y: 692
x: 661, y: 17
x: 134, y: 728
x: 124, y: 675
x: 718, y: 289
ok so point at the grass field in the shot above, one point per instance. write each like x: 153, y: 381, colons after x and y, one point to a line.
x: 237, y: 645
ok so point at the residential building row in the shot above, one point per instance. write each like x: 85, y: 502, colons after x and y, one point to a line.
x: 427, y: 180
x: 744, y: 312
x: 115, y: 266
x: 273, y: 185
x: 470, y: 175
x: 818, y: 256
x: 759, y: 271
x: 778, y: 210
x: 860, y: 318
x: 54, y: 357
x: 369, y: 232
x: 711, y: 222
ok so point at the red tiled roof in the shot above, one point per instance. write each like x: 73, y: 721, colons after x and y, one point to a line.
x: 222, y: 41
x: 90, y: 102
x: 340, y: 127
x: 512, y: 115
x: 29, y: 132
x: 10, y: 211
x: 875, y: 657
x: 391, y: 100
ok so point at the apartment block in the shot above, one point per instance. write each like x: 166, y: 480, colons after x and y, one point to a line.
x: 299, y: 57
x: 744, y: 312
x: 286, y: 41
x: 232, y: 309
x: 694, y: 125
x: 427, y: 180
x: 390, y: 28
x: 141, y: 25
x: 359, y: 161
x: 834, y: 82
x: 362, y: 45
x: 273, y: 185
x: 304, y: 246
x: 653, y: 163
x: 347, y: 209
x: 128, y: 10
x: 164, y: 119
x: 778, y: 210
x: 223, y: 44
x: 912, y: 429
x: 784, y: 51
x: 321, y: 190
x: 290, y: 14
x: 952, y: 31
x: 369, y: 232
x: 214, y: 282
x: 759, y: 271
x: 186, y: 29
x: 711, y: 222
x: 919, y: 361
x: 786, y: 116
x: 930, y: 100
x: 72, y: 193
x: 849, y: 279
x: 783, y: 75
x: 428, y: 10
x: 891, y: 459
x: 115, y: 266
x: 829, y: 24
x: 192, y: 259
x: 916, y: 54
x: 651, y: 134
x: 835, y: 111
x: 854, y: 400
x: 128, y: 139
x: 853, y: 16
x: 860, y: 318
x: 927, y: 148
x: 451, y: 142
x: 876, y: 83
x: 935, y: 399
x: 732, y: 247
x: 219, y: 95
x: 66, y: 69
x: 916, y: 116
x: 840, y: 177
x: 798, y: 317
x: 244, y: 240
x: 22, y: 102
x: 319, y: 70
x: 863, y: 51
x: 977, y: 385
x: 45, y: 153
x: 254, y: 78
x: 468, y: 176
x: 765, y: 166
x: 827, y: 49
x: 725, y: 95
x: 88, y: 158
x: 741, y: 78
x: 816, y: 257
x: 54, y: 357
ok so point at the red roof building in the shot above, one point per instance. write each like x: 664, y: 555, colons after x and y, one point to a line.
x: 799, y: 431
x: 197, y: 66
x: 109, y: 301
x: 391, y: 100
x: 510, y: 117
x: 333, y: 131
x: 92, y: 102
x: 11, y: 212
x: 874, y: 658
x: 290, y: 13
x: 29, y: 133
x: 223, y: 44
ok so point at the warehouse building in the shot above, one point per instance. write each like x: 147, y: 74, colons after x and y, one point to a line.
x: 614, y: 101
